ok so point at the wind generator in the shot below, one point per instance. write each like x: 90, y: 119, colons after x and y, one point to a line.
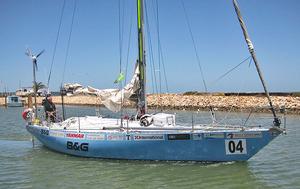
x: 34, y: 69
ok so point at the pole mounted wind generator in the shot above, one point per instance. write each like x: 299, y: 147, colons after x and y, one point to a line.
x: 34, y: 69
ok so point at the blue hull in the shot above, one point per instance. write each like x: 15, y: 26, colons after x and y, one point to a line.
x: 200, y: 146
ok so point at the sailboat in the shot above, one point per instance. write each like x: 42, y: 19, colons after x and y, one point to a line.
x: 153, y: 136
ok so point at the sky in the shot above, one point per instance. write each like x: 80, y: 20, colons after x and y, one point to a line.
x: 98, y: 44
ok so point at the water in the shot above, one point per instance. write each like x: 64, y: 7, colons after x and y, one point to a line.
x: 22, y: 166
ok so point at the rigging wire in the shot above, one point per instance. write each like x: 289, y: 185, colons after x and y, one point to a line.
x: 121, y: 29
x: 198, y: 60
x: 128, y: 47
x: 163, y: 64
x: 120, y: 58
x: 69, y: 42
x: 158, y: 48
x: 238, y: 94
x: 160, y: 57
x: 121, y: 37
x: 228, y: 112
x: 194, y: 45
x: 232, y: 69
x: 158, y: 89
x: 56, y: 41
x: 160, y: 54
x: 152, y: 64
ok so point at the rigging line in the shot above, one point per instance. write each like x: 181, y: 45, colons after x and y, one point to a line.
x: 198, y: 60
x: 56, y: 41
x: 121, y: 32
x: 154, y: 70
x: 120, y: 60
x: 150, y: 45
x: 153, y: 74
x: 158, y: 46
x: 69, y: 41
x: 163, y: 64
x: 194, y: 45
x: 250, y: 62
x: 123, y: 16
x: 158, y: 54
x: 231, y: 108
x: 120, y: 38
x: 247, y: 119
x: 228, y: 111
x: 128, y: 47
x: 232, y: 69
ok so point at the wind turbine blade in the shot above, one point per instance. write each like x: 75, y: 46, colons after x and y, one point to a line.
x: 40, y: 53
x: 28, y: 53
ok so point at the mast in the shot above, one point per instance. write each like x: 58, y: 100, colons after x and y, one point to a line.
x: 34, y: 87
x: 63, y: 92
x: 276, y: 121
x: 141, y: 105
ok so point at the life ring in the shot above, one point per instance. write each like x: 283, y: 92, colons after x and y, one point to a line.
x: 146, y: 120
x: 27, y: 114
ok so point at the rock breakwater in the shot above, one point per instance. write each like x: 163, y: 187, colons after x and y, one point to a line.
x: 194, y: 102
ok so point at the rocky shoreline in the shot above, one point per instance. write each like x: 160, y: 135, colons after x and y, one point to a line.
x: 193, y: 102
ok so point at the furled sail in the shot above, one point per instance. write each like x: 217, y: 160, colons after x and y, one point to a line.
x: 113, y: 98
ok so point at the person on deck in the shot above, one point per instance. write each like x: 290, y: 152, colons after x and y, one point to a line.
x: 49, y: 107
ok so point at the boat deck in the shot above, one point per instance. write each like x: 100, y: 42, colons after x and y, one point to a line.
x: 99, y: 124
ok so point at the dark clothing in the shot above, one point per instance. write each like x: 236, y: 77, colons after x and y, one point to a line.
x: 50, y: 109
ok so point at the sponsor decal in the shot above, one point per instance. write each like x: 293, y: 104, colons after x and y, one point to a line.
x: 115, y: 137
x: 235, y: 146
x: 179, y: 136
x: 75, y: 135
x: 213, y: 135
x: 149, y: 137
x: 244, y: 135
x: 77, y: 146
x: 57, y: 134
x: 95, y: 136
x: 197, y: 136
x: 44, y: 132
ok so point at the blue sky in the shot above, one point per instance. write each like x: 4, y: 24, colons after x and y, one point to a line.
x: 274, y: 27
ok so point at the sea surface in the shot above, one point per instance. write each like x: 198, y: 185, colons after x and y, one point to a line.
x: 25, y: 166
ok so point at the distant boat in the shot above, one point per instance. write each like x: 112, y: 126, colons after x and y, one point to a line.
x: 43, y: 91
x: 14, y: 101
x: 152, y: 136
x: 24, y: 91
x: 71, y: 87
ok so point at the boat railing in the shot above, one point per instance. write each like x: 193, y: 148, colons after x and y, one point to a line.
x: 232, y: 122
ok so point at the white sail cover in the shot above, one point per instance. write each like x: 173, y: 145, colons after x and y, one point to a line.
x: 113, y: 98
